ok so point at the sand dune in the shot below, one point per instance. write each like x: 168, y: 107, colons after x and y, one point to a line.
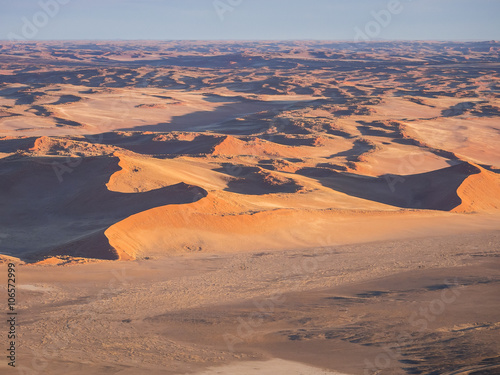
x: 220, y: 223
x: 77, y: 213
x: 479, y: 192
x: 449, y: 189
x: 305, y: 198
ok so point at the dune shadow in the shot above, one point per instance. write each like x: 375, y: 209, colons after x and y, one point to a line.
x: 359, y: 147
x: 160, y: 145
x: 68, y: 215
x: 8, y: 145
x: 210, y: 120
x: 256, y: 181
x: 436, y: 190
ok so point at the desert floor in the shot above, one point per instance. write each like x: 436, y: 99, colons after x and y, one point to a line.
x: 426, y: 305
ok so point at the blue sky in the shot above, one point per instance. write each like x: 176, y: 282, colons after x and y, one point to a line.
x: 250, y: 19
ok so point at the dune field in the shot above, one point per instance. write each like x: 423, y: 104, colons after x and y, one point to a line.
x: 252, y: 207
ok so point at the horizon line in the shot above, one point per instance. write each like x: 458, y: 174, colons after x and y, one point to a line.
x: 252, y: 40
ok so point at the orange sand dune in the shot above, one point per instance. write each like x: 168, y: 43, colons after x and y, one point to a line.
x: 480, y: 192
x: 140, y: 174
x: 234, y: 146
x: 68, y: 207
x: 446, y: 189
x: 247, y: 208
x: 220, y: 223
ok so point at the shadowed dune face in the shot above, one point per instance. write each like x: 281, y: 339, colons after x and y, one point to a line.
x: 96, y: 140
x: 257, y: 181
x: 171, y: 144
x: 436, y: 190
x: 69, y: 217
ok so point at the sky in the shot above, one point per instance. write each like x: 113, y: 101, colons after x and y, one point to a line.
x: 249, y: 19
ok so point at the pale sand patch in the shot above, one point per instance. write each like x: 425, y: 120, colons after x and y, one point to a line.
x: 35, y: 288
x: 469, y: 137
x: 272, y: 367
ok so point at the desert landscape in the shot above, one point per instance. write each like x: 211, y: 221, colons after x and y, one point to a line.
x: 252, y: 207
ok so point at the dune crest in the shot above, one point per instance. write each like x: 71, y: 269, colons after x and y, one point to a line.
x: 230, y: 145
x: 480, y: 192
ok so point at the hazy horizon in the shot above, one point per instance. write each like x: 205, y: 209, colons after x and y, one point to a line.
x: 256, y: 20
x: 262, y: 40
